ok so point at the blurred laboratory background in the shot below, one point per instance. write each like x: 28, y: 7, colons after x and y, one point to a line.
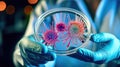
x: 14, y: 16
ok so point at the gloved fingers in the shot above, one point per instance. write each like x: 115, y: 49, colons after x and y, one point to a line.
x: 28, y: 43
x: 50, y: 56
x: 101, y: 37
x: 83, y: 54
x: 107, y: 53
x: 33, y: 62
x: 34, y: 52
x: 89, y: 56
x: 36, y: 58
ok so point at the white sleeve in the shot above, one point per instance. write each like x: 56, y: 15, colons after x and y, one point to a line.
x: 17, y: 59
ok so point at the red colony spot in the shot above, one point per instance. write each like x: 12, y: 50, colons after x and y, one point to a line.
x: 50, y: 36
x: 60, y: 27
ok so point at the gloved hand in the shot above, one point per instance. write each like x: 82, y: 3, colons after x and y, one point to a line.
x: 34, y: 53
x: 110, y: 49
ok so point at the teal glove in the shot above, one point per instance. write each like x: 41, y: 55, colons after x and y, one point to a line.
x: 110, y: 49
x: 34, y: 53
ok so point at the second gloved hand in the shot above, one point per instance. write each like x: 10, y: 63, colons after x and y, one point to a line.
x: 110, y: 49
x: 34, y: 53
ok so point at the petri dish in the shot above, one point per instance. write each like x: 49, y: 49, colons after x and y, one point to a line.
x: 62, y: 30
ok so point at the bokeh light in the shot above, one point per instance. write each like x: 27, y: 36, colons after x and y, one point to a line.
x: 28, y: 9
x: 2, y: 5
x: 32, y: 1
x: 10, y: 9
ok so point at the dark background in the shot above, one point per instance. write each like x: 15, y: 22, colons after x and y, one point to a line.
x: 13, y: 22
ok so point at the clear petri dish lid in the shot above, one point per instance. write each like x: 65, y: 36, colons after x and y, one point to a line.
x: 62, y: 30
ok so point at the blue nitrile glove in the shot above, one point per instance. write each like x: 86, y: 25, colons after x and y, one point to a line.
x: 34, y: 53
x: 110, y: 49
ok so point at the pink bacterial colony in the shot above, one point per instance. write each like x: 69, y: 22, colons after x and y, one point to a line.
x: 74, y: 31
